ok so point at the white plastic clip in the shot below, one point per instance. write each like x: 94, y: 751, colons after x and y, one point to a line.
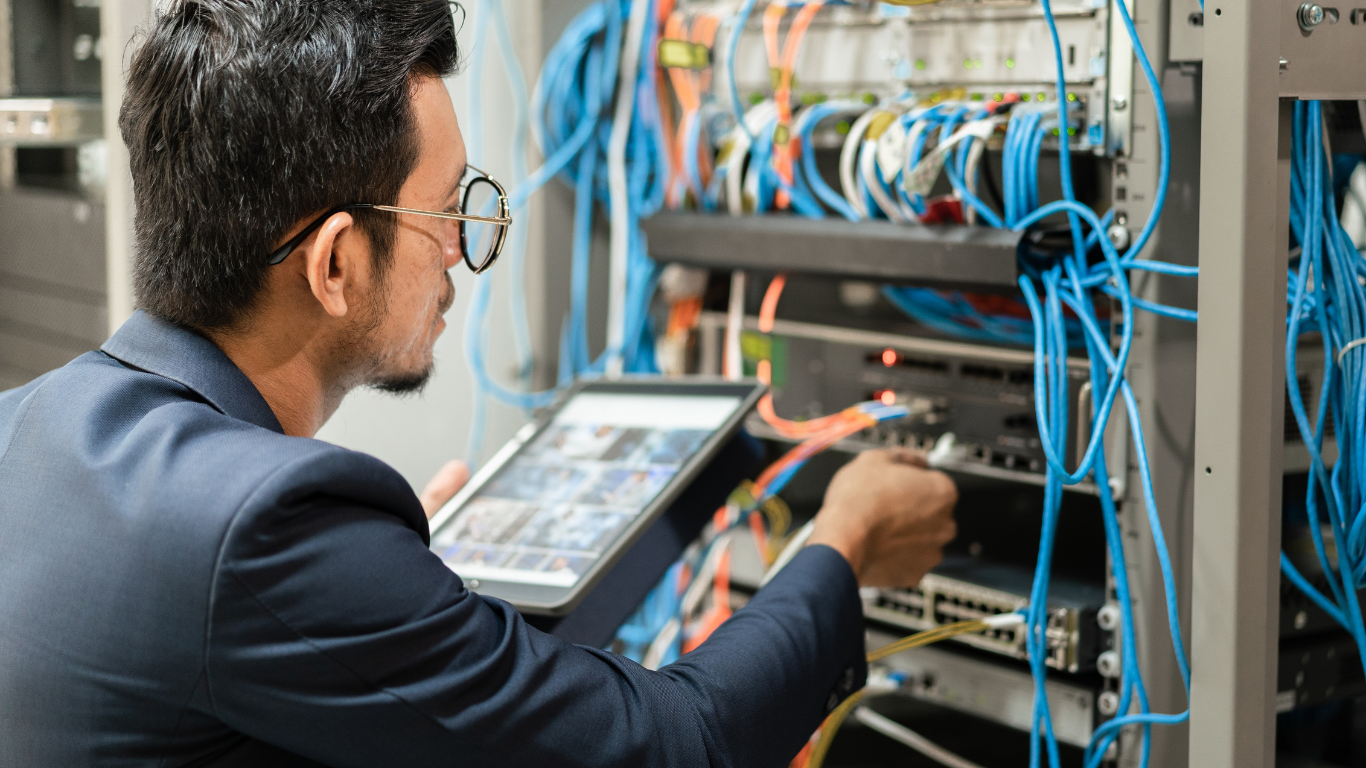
x: 1003, y: 620
x: 1349, y: 346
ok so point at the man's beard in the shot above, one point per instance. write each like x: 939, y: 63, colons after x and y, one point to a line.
x: 413, y: 382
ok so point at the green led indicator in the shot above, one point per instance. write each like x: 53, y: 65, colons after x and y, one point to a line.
x: 976, y: 97
x: 1010, y: 63
x: 1071, y: 131
x: 977, y: 63
x: 869, y: 98
x: 1043, y: 96
x: 842, y: 127
x: 967, y: 63
x: 1027, y: 97
x: 998, y: 97
x: 1071, y: 97
x: 1055, y: 132
x: 920, y: 64
x: 756, y: 98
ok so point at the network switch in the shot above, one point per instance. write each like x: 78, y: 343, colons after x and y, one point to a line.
x: 983, y: 395
x: 959, y: 590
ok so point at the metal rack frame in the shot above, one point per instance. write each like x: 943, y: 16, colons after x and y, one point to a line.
x: 1257, y: 60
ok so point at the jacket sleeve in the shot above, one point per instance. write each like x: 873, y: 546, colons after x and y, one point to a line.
x: 337, y: 635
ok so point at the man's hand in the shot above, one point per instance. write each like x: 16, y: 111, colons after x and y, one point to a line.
x: 449, y: 479
x: 889, y: 516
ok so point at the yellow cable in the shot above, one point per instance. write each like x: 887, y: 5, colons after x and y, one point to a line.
x: 831, y: 725
x: 839, y: 714
x: 927, y: 637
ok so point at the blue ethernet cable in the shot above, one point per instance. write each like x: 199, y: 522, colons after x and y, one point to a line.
x: 732, y: 45
x: 1335, y: 305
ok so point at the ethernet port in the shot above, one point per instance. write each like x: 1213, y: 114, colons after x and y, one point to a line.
x: 1007, y: 460
x: 982, y: 372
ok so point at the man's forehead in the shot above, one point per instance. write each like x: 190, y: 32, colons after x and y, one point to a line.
x: 442, y: 149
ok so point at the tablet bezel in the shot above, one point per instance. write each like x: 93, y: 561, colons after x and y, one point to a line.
x: 556, y: 600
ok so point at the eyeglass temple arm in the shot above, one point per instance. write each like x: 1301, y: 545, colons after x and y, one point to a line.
x: 282, y: 253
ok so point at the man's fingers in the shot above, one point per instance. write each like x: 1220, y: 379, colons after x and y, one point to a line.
x: 908, y: 456
x: 447, y: 481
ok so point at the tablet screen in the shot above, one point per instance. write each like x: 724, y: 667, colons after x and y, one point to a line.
x: 552, y: 510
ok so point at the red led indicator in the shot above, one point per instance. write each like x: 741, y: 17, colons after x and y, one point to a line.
x: 889, y: 357
x: 887, y: 396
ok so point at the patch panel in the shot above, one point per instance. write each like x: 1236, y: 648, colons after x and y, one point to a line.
x: 954, y: 50
x: 963, y: 590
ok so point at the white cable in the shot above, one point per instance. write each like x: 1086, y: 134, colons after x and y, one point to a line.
x: 911, y: 739
x: 1004, y: 620
x: 790, y: 551
x: 868, y: 169
x: 946, y: 452
x: 706, y: 572
x: 660, y: 645
x: 755, y: 118
x: 970, y: 179
x: 620, y: 243
x: 733, y: 369
x: 912, y: 136
x: 848, y: 158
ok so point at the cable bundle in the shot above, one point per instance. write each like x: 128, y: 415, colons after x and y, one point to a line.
x: 610, y: 144
x: 890, y: 159
x: 613, y: 159
x: 1326, y: 296
x: 708, y: 560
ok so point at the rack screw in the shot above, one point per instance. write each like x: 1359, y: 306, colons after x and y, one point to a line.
x: 1108, y: 617
x: 1119, y: 236
x: 1108, y: 703
x: 1310, y: 15
x: 1120, y: 103
x: 1107, y: 664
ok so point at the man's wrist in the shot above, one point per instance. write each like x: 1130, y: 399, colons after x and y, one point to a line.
x: 842, y: 539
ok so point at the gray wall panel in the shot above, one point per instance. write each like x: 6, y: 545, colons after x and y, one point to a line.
x: 54, y: 237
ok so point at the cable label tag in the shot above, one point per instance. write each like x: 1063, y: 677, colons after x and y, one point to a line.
x: 891, y: 150
x: 682, y: 54
x: 922, y: 177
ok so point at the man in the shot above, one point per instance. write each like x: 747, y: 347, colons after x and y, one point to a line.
x: 187, y: 578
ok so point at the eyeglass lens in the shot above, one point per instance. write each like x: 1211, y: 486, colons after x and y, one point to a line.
x: 480, y: 241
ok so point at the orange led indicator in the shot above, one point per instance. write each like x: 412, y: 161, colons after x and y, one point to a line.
x: 887, y: 397
x: 889, y: 357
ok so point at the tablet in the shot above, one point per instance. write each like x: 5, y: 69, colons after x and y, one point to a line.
x: 558, y: 505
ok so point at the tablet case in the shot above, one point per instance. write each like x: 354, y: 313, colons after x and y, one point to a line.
x: 595, y: 621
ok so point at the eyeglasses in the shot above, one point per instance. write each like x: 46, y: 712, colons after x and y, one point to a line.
x: 481, y: 233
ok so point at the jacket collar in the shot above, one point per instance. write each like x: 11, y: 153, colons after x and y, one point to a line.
x: 154, y: 345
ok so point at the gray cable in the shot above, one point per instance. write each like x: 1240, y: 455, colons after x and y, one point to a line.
x: 911, y: 739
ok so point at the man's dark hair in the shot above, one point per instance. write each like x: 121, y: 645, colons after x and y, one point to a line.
x: 243, y: 117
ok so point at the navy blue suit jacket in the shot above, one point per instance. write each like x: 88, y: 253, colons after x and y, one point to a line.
x: 183, y: 584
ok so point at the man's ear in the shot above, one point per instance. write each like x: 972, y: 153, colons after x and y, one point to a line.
x: 332, y: 263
